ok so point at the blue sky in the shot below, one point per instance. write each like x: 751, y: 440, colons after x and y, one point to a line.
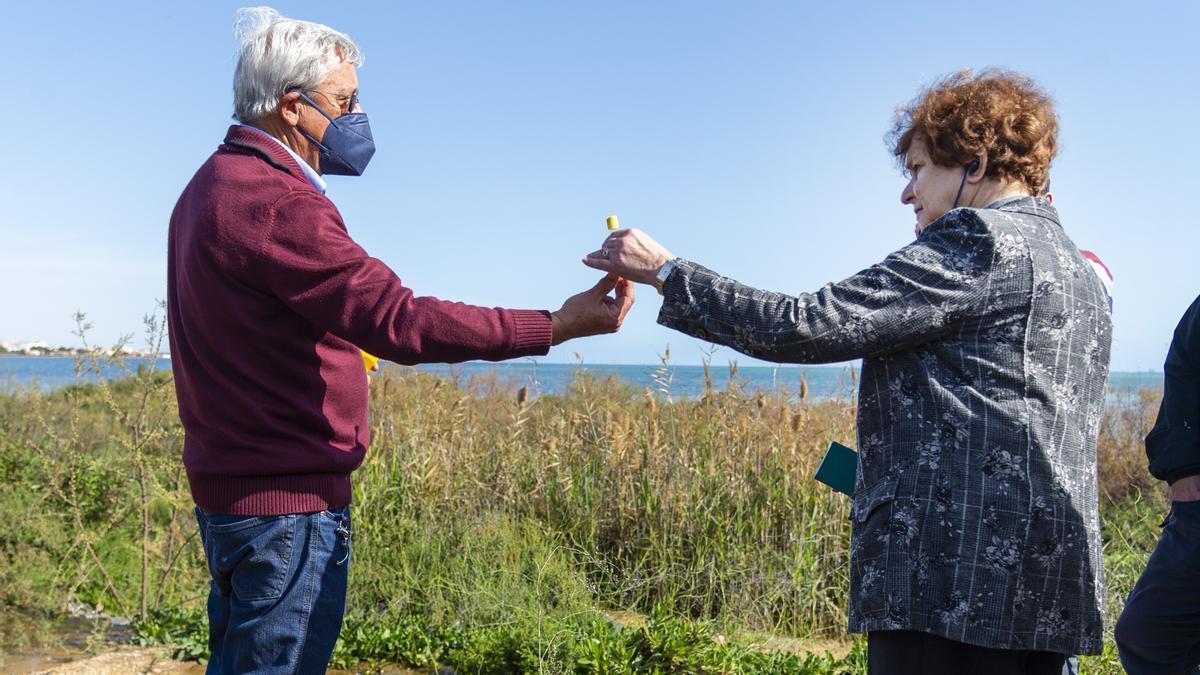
x: 747, y: 136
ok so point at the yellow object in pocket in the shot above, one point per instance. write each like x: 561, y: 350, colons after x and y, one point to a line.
x: 371, y: 363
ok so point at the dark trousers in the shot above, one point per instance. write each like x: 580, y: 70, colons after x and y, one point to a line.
x: 1159, y: 629
x: 906, y: 652
x: 278, y: 589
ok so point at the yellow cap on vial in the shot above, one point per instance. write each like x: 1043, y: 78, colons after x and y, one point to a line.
x: 612, y: 223
x: 370, y: 362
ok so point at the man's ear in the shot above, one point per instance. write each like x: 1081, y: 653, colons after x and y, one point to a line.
x: 977, y: 168
x: 289, y: 108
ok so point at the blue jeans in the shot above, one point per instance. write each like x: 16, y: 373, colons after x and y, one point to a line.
x: 278, y: 589
x: 1159, y: 629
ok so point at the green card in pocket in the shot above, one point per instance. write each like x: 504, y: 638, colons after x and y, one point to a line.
x: 839, y: 468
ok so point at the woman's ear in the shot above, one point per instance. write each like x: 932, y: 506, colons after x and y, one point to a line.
x: 977, y: 168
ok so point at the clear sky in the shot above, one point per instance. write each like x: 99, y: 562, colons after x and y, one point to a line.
x: 747, y: 136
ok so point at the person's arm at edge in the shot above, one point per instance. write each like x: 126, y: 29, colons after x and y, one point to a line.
x: 1173, y: 444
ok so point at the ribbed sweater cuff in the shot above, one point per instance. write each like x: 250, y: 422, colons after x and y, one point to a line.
x: 534, y: 332
x: 269, y: 495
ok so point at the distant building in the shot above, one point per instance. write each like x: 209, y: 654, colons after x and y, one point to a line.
x: 37, y: 348
x: 30, y: 348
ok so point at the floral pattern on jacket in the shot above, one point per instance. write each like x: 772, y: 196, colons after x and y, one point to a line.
x: 985, y: 347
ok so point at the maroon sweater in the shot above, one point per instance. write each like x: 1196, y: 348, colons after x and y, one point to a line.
x: 269, y: 301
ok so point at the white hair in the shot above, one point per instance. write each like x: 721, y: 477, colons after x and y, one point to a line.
x: 277, y: 54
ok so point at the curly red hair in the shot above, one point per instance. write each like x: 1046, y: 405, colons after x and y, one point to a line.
x: 1002, y: 112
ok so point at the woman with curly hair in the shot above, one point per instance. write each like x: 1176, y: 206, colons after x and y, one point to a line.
x: 985, y: 347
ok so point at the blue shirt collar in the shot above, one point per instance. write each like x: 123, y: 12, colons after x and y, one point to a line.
x: 309, y: 173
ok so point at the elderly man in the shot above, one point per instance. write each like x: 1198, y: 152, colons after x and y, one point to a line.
x: 270, y: 301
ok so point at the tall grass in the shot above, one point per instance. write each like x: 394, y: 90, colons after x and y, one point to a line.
x: 706, y: 506
x: 490, y: 525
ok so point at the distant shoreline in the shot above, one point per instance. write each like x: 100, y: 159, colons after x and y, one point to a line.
x: 527, y: 360
x: 689, y: 381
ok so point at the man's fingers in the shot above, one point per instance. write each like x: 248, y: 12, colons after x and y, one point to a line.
x: 624, y: 290
x: 626, y: 300
x: 606, y: 284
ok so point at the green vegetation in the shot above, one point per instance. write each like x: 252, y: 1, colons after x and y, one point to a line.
x: 607, y: 530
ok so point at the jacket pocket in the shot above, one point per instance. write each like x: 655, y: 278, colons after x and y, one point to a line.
x: 872, y: 572
x: 254, y: 553
x: 867, y: 498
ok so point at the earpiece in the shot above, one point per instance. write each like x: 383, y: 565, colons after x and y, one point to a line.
x: 972, y: 165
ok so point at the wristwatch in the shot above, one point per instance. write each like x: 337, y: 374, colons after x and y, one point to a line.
x: 660, y: 278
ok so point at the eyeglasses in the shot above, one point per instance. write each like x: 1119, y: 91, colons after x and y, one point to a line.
x: 345, y: 103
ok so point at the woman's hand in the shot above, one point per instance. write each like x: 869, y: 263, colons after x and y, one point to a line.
x: 630, y: 253
x: 593, y: 312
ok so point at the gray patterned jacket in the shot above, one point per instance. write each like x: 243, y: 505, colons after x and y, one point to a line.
x: 985, y: 349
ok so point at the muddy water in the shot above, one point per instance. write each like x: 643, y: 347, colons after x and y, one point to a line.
x: 32, y: 642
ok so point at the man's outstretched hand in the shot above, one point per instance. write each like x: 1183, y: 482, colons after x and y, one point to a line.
x: 593, y: 311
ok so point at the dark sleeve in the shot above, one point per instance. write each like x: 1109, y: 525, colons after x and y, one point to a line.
x: 1173, y: 445
x: 311, y: 264
x: 915, y: 295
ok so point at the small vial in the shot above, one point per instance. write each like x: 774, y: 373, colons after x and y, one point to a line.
x: 612, y: 223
